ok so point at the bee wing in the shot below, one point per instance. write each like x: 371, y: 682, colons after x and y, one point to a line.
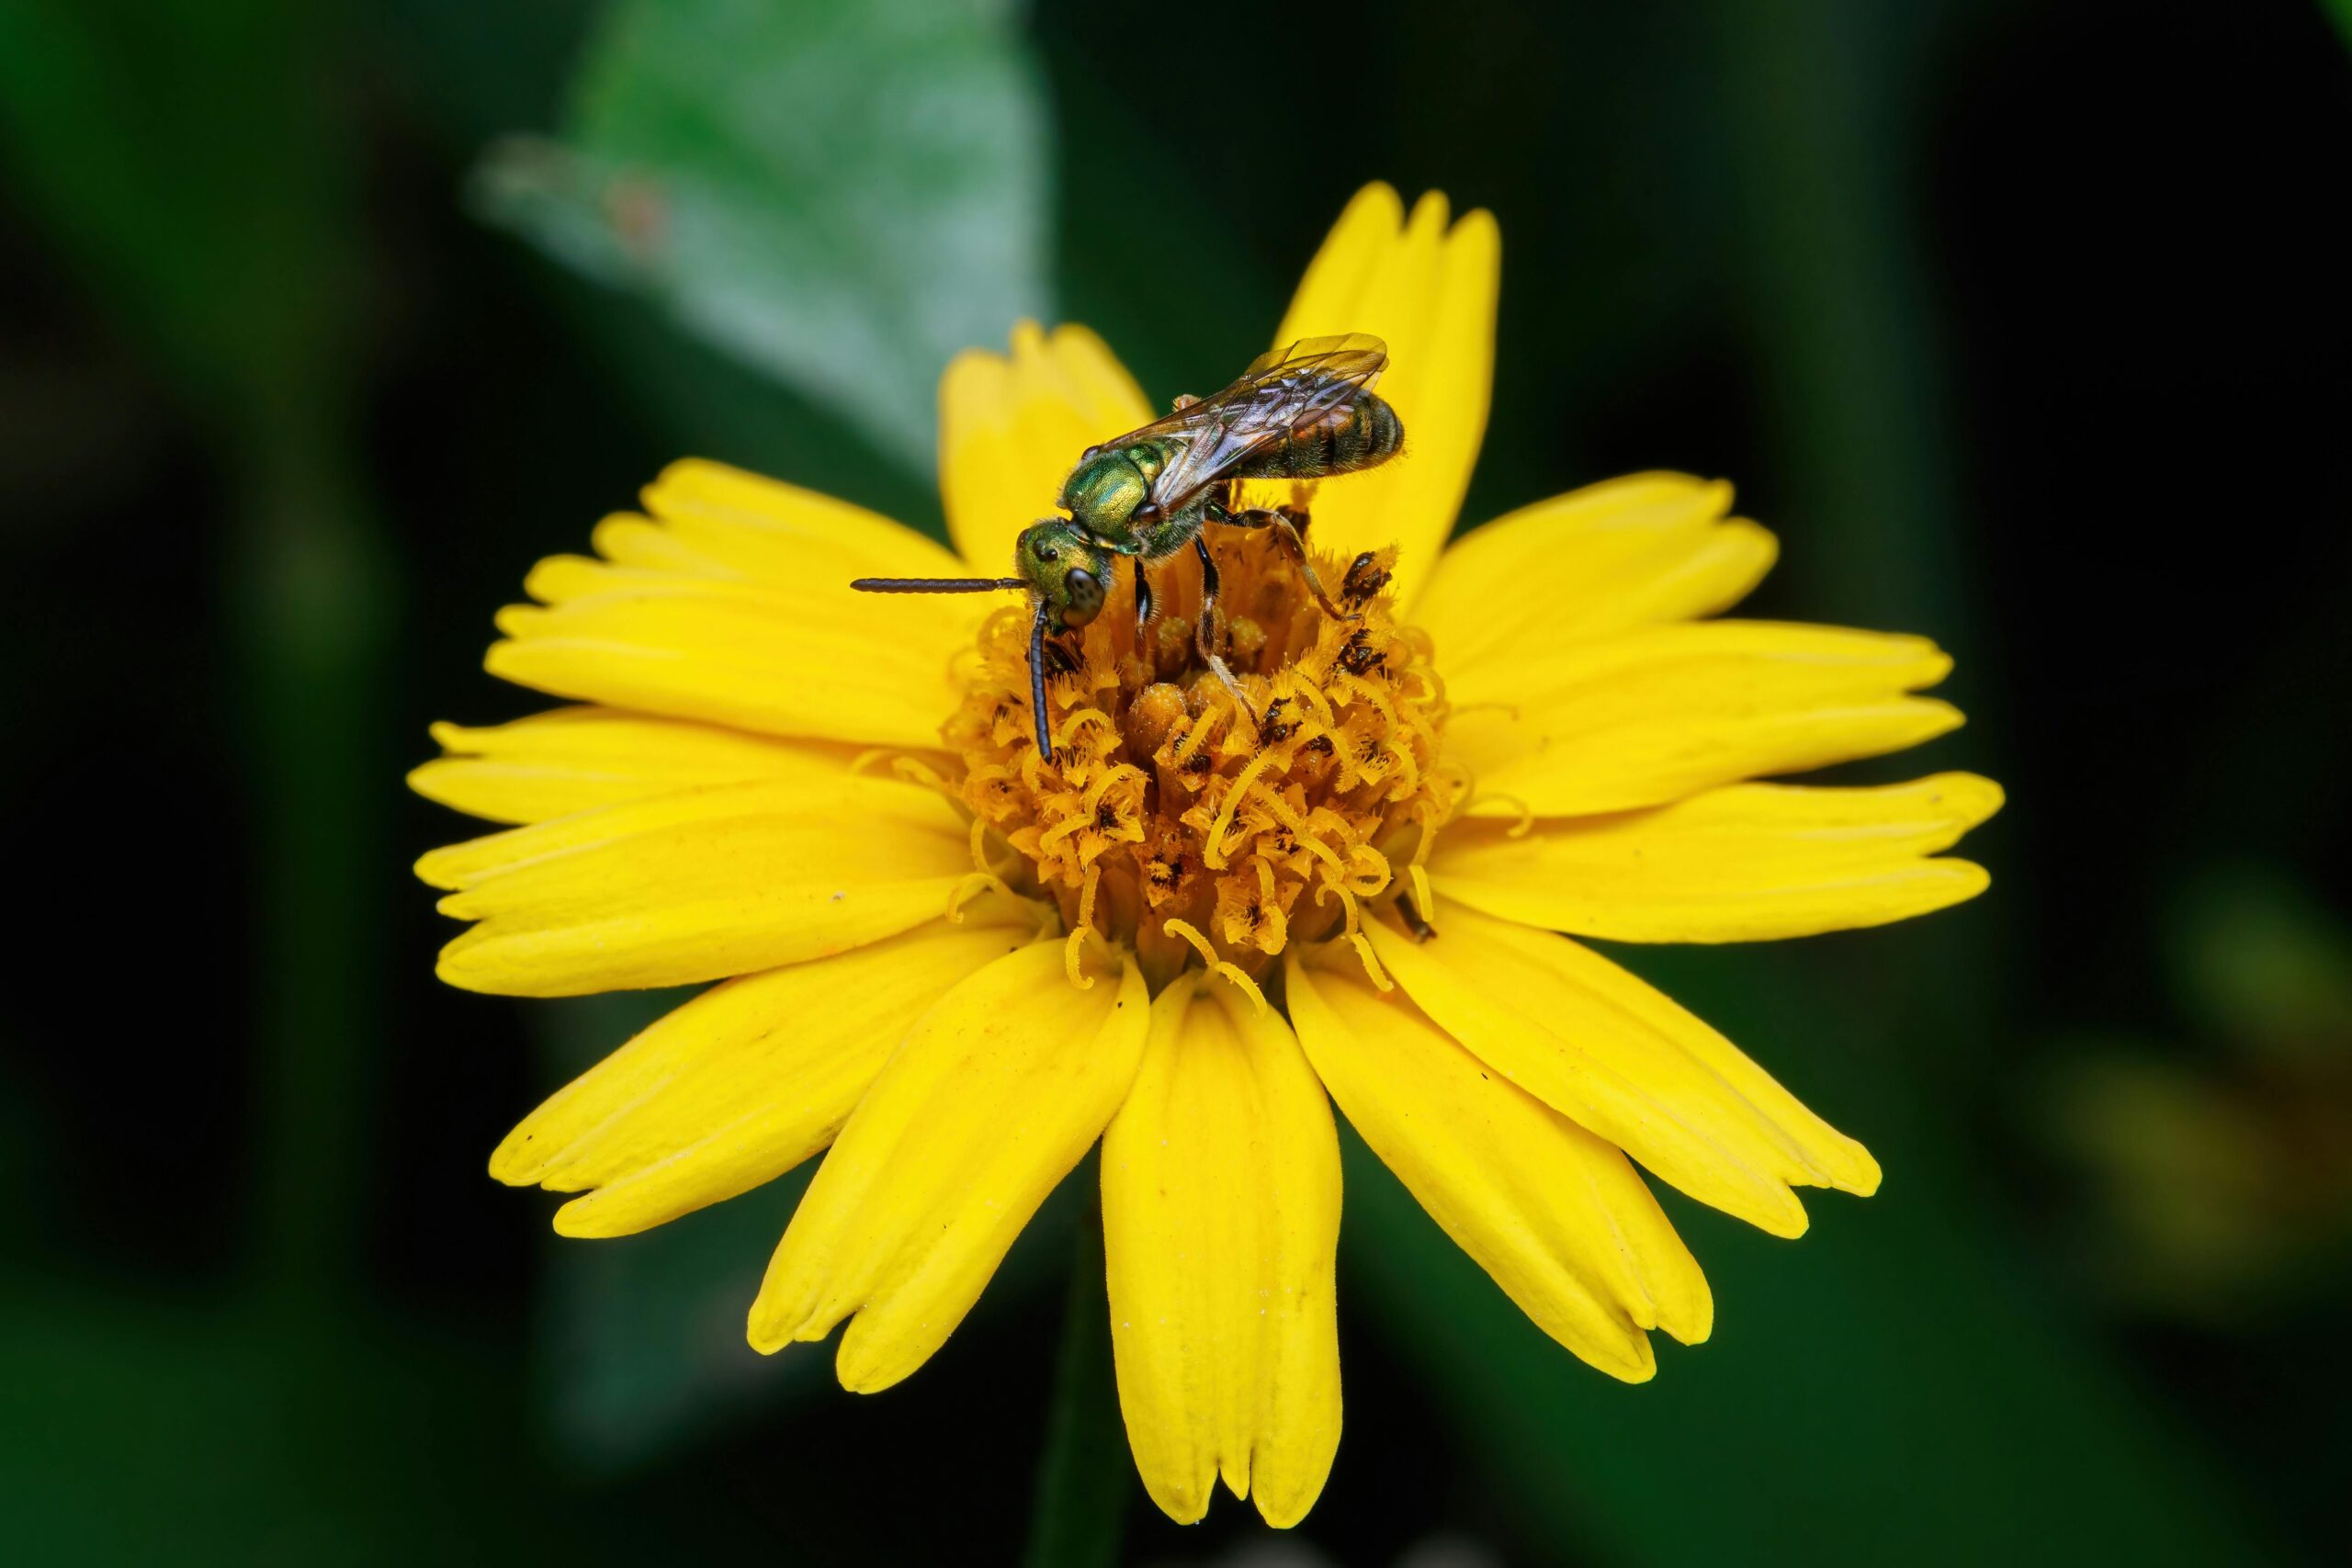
x: 1350, y: 361
x: 1358, y: 355
x: 1282, y: 390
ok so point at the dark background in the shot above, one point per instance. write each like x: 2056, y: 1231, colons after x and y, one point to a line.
x: 2027, y: 326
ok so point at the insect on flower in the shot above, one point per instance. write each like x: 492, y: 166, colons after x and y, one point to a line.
x: 1189, y: 932
x: 1307, y: 411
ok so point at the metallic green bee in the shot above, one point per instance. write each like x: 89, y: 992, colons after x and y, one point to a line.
x: 1307, y: 411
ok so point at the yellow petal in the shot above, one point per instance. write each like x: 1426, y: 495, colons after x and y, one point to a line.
x: 1011, y: 429
x: 731, y: 603
x: 1340, y: 273
x: 1428, y: 292
x: 626, y: 539
x: 1557, y: 1216
x: 696, y: 885
x: 1623, y: 1060
x: 995, y: 1095
x: 741, y: 1084
x: 1220, y: 1222
x: 767, y: 531
x: 567, y: 760
x: 1744, y: 863
x: 1627, y: 552
x: 818, y: 661
x: 1656, y: 714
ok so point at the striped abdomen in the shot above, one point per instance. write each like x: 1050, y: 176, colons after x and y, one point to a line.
x: 1360, y: 433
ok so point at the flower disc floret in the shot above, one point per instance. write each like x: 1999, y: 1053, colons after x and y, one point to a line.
x: 1170, y: 820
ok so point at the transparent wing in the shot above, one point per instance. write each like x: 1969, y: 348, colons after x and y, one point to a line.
x: 1358, y: 354
x: 1282, y: 390
x: 1348, y: 361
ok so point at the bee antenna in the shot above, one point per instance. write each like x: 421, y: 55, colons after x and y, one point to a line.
x: 935, y: 584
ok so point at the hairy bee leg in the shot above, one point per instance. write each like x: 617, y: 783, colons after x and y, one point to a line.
x: 1287, y: 530
x: 1143, y: 603
x: 1204, y: 634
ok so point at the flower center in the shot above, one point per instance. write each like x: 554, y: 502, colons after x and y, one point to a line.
x: 1172, y: 822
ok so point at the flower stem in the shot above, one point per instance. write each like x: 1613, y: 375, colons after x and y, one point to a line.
x: 1083, y: 1477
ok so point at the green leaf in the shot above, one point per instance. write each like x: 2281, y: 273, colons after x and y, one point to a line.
x: 842, y: 196
x: 698, y: 399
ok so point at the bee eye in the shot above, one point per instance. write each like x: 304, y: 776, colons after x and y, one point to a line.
x: 1047, y: 552
x: 1083, y: 596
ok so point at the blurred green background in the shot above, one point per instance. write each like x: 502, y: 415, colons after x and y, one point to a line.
x: 319, y: 322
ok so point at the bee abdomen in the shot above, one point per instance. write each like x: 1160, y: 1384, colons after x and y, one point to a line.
x: 1384, y: 432
x: 1364, y: 432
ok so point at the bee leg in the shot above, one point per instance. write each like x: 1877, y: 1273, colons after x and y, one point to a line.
x: 1285, y: 529
x: 1414, y: 922
x: 1037, y: 685
x: 1206, y: 633
x: 1143, y: 605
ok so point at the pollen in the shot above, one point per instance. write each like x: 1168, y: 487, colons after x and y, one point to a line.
x: 1171, y: 820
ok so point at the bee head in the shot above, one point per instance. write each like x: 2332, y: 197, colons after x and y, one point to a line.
x: 1104, y: 489
x: 1068, y: 571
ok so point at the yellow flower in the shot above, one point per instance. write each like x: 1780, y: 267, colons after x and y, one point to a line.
x: 958, y: 965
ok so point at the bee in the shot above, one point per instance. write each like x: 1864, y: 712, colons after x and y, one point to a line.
x: 1307, y: 411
